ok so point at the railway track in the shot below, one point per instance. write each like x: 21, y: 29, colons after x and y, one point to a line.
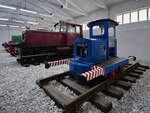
x: 91, y: 93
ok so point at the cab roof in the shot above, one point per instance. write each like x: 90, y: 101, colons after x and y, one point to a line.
x: 102, y: 21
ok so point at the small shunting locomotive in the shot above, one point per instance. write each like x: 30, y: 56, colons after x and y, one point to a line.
x: 97, y: 55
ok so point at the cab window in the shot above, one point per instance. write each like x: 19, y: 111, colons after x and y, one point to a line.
x: 77, y: 29
x: 57, y: 28
x: 98, y: 30
x: 82, y: 49
x: 71, y: 29
x: 111, y: 32
x: 63, y: 28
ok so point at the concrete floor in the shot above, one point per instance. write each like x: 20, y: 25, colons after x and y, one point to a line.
x: 20, y: 94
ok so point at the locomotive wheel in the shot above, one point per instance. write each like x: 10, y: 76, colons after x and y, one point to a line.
x: 81, y: 80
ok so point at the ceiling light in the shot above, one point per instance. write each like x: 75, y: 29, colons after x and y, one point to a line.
x: 8, y: 7
x: 4, y: 19
x: 23, y: 27
x: 3, y: 25
x: 13, y: 26
x: 19, y: 21
x: 46, y: 15
x: 28, y: 11
x: 34, y: 23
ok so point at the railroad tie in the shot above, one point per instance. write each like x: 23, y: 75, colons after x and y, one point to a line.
x: 98, y: 100
x: 60, y: 98
x: 113, y: 92
x: 134, y: 74
x: 140, y: 68
x: 129, y: 78
x: 123, y: 84
x: 146, y: 67
x: 137, y: 71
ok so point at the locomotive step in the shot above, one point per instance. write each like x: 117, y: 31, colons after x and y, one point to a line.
x: 129, y: 78
x: 114, y: 92
x: 123, y: 84
x: 98, y: 99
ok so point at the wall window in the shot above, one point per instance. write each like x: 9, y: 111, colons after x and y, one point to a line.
x: 119, y: 19
x: 143, y: 15
x: 126, y: 18
x: 134, y: 16
x: 111, y: 32
x: 149, y: 13
x: 85, y: 27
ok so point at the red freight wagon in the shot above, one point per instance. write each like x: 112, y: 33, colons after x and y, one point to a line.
x: 57, y: 43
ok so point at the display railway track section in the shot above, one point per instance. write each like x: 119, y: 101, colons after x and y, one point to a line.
x: 95, y: 94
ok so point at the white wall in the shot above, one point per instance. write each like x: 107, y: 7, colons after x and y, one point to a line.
x: 6, y: 33
x: 134, y: 38
x: 99, y: 14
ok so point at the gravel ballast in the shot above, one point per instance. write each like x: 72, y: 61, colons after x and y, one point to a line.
x: 20, y: 94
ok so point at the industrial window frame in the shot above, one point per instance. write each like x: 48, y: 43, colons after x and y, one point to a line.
x: 130, y: 13
x: 148, y: 13
x: 134, y: 16
x: 126, y: 18
x: 141, y: 15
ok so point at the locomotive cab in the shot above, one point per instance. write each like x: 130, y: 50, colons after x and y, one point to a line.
x: 105, y: 30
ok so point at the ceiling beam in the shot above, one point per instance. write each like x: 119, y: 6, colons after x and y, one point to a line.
x: 4, y: 1
x: 66, y: 4
x: 18, y: 15
x: 14, y: 13
x: 101, y: 4
x: 56, y: 10
x: 77, y: 7
x: 40, y: 5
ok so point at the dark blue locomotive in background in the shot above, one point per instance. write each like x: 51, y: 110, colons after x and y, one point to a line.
x: 99, y: 50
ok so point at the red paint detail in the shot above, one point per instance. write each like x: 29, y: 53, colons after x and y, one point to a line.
x: 122, y: 69
x: 112, y: 74
x: 11, y: 49
x: 62, y: 48
x: 106, y: 76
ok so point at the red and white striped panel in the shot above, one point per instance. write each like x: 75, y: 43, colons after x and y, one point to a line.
x: 59, y: 62
x: 95, y: 72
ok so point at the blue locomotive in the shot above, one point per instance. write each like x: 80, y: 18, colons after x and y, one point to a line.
x: 99, y: 51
